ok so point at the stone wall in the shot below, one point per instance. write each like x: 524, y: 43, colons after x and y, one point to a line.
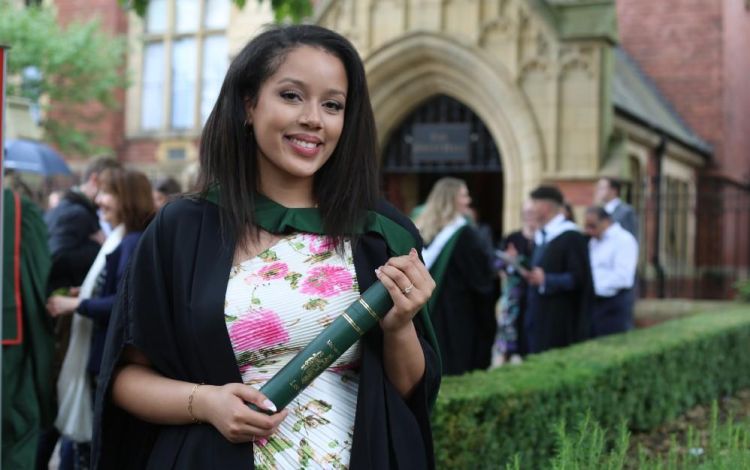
x: 544, y: 99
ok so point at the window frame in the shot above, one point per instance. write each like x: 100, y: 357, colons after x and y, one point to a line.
x: 168, y: 37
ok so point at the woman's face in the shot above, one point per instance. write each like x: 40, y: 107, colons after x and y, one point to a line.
x: 110, y: 207
x: 299, y: 115
x: 463, y: 201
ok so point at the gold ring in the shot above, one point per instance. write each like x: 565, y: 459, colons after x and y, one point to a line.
x: 407, y: 290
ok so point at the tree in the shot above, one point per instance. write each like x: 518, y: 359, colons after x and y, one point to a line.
x: 294, y: 9
x: 62, y: 68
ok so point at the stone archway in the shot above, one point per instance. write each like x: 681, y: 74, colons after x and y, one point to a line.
x: 405, y: 72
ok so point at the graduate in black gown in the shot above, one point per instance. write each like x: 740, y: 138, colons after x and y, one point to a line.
x: 560, y: 291
x: 289, y: 148
x: 462, y: 307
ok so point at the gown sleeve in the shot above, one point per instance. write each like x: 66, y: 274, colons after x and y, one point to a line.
x: 120, y: 440
x: 393, y: 432
x: 142, y: 305
x: 170, y: 309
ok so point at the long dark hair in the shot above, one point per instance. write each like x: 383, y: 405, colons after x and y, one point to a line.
x: 345, y: 187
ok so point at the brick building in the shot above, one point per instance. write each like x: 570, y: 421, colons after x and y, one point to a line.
x: 559, y: 91
x: 702, y: 70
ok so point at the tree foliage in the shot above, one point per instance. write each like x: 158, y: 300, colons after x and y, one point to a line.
x: 295, y: 10
x: 60, y: 68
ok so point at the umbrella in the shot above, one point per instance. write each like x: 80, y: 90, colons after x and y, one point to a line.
x: 33, y: 157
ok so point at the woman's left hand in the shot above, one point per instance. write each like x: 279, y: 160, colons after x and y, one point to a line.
x: 410, y: 285
x: 58, y: 305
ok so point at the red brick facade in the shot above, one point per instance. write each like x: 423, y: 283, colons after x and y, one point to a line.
x: 139, y: 151
x: 696, y: 51
x: 678, y: 43
x: 736, y: 99
x: 704, y: 70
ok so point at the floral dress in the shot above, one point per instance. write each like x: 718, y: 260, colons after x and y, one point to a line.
x: 276, y: 303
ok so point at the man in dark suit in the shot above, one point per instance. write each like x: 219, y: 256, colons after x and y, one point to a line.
x: 608, y: 196
x: 560, y: 292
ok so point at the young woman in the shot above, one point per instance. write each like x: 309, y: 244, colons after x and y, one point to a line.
x: 461, y: 307
x: 125, y: 201
x: 510, y: 340
x: 227, y: 286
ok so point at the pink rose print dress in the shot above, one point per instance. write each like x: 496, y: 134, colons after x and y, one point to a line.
x: 276, y: 303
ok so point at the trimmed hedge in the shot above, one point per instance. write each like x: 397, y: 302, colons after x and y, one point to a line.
x: 644, y: 377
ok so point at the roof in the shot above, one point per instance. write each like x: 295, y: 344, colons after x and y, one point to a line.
x: 636, y: 96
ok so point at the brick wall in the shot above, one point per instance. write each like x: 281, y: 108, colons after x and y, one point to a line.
x: 107, y: 126
x: 138, y: 151
x: 697, y: 53
x: 736, y: 156
x: 678, y: 43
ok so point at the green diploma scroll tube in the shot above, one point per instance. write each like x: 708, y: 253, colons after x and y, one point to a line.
x: 328, y: 346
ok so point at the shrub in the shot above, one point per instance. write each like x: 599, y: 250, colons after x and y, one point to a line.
x: 591, y: 447
x: 642, y: 378
x: 743, y: 290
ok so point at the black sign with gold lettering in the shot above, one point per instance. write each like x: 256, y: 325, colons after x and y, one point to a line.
x: 441, y: 143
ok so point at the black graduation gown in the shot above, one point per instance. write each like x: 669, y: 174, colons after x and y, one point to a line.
x: 171, y: 308
x: 557, y: 318
x: 464, y: 316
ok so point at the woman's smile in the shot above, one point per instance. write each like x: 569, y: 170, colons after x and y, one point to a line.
x: 298, y: 118
x: 305, y: 145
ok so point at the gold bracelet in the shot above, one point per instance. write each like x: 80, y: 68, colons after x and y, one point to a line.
x: 190, y: 403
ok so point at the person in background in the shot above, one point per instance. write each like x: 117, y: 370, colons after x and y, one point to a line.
x: 14, y: 182
x: 54, y: 198
x: 228, y: 284
x: 614, y: 256
x: 568, y: 211
x: 74, y: 231
x: 560, y: 287
x: 461, y: 306
x: 28, y: 343
x: 165, y: 190
x: 484, y: 231
x: 607, y: 195
x: 510, y: 341
x: 126, y: 204
x: 75, y: 238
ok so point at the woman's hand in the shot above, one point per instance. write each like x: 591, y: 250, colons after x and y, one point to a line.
x: 410, y: 285
x: 59, y: 305
x: 225, y: 408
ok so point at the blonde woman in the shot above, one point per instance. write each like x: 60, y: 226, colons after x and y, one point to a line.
x: 461, y: 305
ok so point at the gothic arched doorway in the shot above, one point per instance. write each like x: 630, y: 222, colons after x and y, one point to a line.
x: 444, y: 137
